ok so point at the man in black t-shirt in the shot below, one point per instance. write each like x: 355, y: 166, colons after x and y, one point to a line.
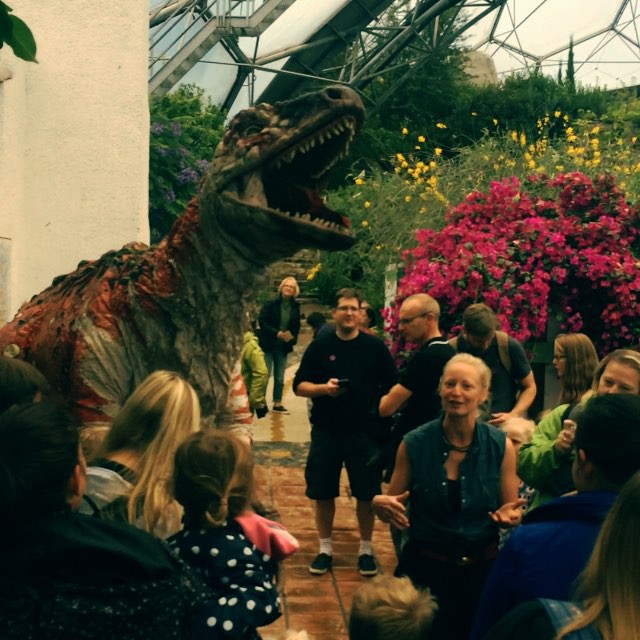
x: 345, y: 373
x: 416, y: 393
x: 513, y: 387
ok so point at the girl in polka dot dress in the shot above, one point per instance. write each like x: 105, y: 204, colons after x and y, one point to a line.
x: 213, y: 481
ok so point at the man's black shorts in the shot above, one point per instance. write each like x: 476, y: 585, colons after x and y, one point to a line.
x: 329, y: 450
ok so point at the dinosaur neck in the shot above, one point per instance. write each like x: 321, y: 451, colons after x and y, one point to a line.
x: 210, y: 287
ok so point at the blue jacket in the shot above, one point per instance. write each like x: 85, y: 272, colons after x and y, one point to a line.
x: 544, y: 556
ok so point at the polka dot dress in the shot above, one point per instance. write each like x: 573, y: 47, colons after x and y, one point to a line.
x: 242, y: 577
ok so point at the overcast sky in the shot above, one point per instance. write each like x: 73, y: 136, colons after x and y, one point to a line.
x: 542, y: 27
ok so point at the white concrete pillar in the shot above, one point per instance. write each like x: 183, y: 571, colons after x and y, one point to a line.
x: 74, y: 141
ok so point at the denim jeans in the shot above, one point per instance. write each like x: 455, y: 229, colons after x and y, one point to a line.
x: 276, y: 361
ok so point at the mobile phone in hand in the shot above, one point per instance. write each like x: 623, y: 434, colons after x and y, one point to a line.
x: 344, y: 383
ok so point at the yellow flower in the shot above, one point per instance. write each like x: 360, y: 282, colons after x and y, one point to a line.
x: 423, y: 209
x: 559, y: 167
x: 417, y: 147
x: 595, y: 131
x: 404, y: 164
x: 523, y: 140
x: 634, y: 139
x: 359, y: 181
x: 379, y: 247
x: 557, y: 114
x: 532, y: 164
x: 438, y: 151
x: 441, y: 125
x: 495, y: 121
x: 405, y: 131
x: 366, y: 204
x: 364, y: 224
x: 474, y: 114
x: 313, y: 272
x: 565, y: 117
x: 514, y: 136
x: 399, y: 157
x: 432, y: 165
x: 407, y: 198
x: 421, y: 139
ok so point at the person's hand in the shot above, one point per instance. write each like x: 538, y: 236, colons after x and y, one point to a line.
x: 391, y: 509
x: 509, y: 514
x: 501, y: 418
x: 564, y: 441
x: 333, y: 388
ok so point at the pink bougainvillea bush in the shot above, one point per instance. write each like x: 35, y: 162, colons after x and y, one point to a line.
x: 566, y: 245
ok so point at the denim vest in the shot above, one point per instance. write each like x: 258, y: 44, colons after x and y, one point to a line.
x: 432, y: 521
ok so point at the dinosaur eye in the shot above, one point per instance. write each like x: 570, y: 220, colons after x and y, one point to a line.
x: 252, y: 130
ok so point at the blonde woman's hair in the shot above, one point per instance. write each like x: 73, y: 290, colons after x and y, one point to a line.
x: 581, y: 362
x: 158, y: 416
x: 484, y: 373
x: 293, y: 281
x: 390, y: 608
x: 628, y: 357
x: 213, y: 477
x: 609, y: 586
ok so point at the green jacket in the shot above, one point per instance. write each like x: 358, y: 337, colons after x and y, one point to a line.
x: 538, y: 460
x: 254, y: 370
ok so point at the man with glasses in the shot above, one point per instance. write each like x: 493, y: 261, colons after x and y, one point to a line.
x: 416, y: 393
x: 513, y: 387
x: 345, y: 373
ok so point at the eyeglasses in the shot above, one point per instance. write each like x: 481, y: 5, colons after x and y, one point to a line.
x: 411, y: 319
x: 348, y: 309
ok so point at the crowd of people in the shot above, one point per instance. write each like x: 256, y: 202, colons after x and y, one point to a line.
x: 503, y: 528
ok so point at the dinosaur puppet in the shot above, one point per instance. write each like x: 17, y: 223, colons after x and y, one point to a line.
x: 180, y: 305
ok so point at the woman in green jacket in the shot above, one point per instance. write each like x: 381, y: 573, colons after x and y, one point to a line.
x: 545, y: 462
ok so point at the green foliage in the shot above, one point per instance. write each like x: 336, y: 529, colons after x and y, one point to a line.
x: 15, y: 33
x: 185, y: 130
x: 421, y: 183
x: 570, y: 80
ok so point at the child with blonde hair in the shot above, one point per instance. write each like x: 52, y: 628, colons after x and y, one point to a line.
x: 130, y: 477
x: 390, y: 608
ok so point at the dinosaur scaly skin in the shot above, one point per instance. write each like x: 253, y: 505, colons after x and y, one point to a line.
x: 179, y: 305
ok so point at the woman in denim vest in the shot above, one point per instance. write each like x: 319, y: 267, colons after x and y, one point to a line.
x: 460, y: 476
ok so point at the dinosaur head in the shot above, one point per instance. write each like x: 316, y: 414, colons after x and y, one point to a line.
x: 270, y: 168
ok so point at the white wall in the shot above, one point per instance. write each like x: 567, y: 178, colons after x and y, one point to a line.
x: 74, y: 141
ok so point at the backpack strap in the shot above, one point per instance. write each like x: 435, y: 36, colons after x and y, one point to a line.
x: 561, y: 613
x: 503, y: 350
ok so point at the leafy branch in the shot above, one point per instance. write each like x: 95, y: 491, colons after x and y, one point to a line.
x: 15, y: 33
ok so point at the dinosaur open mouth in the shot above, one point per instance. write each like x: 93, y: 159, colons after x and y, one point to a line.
x: 294, y: 180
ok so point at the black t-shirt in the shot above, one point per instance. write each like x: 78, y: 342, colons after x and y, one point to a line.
x: 422, y: 378
x: 365, y: 361
x: 504, y: 386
